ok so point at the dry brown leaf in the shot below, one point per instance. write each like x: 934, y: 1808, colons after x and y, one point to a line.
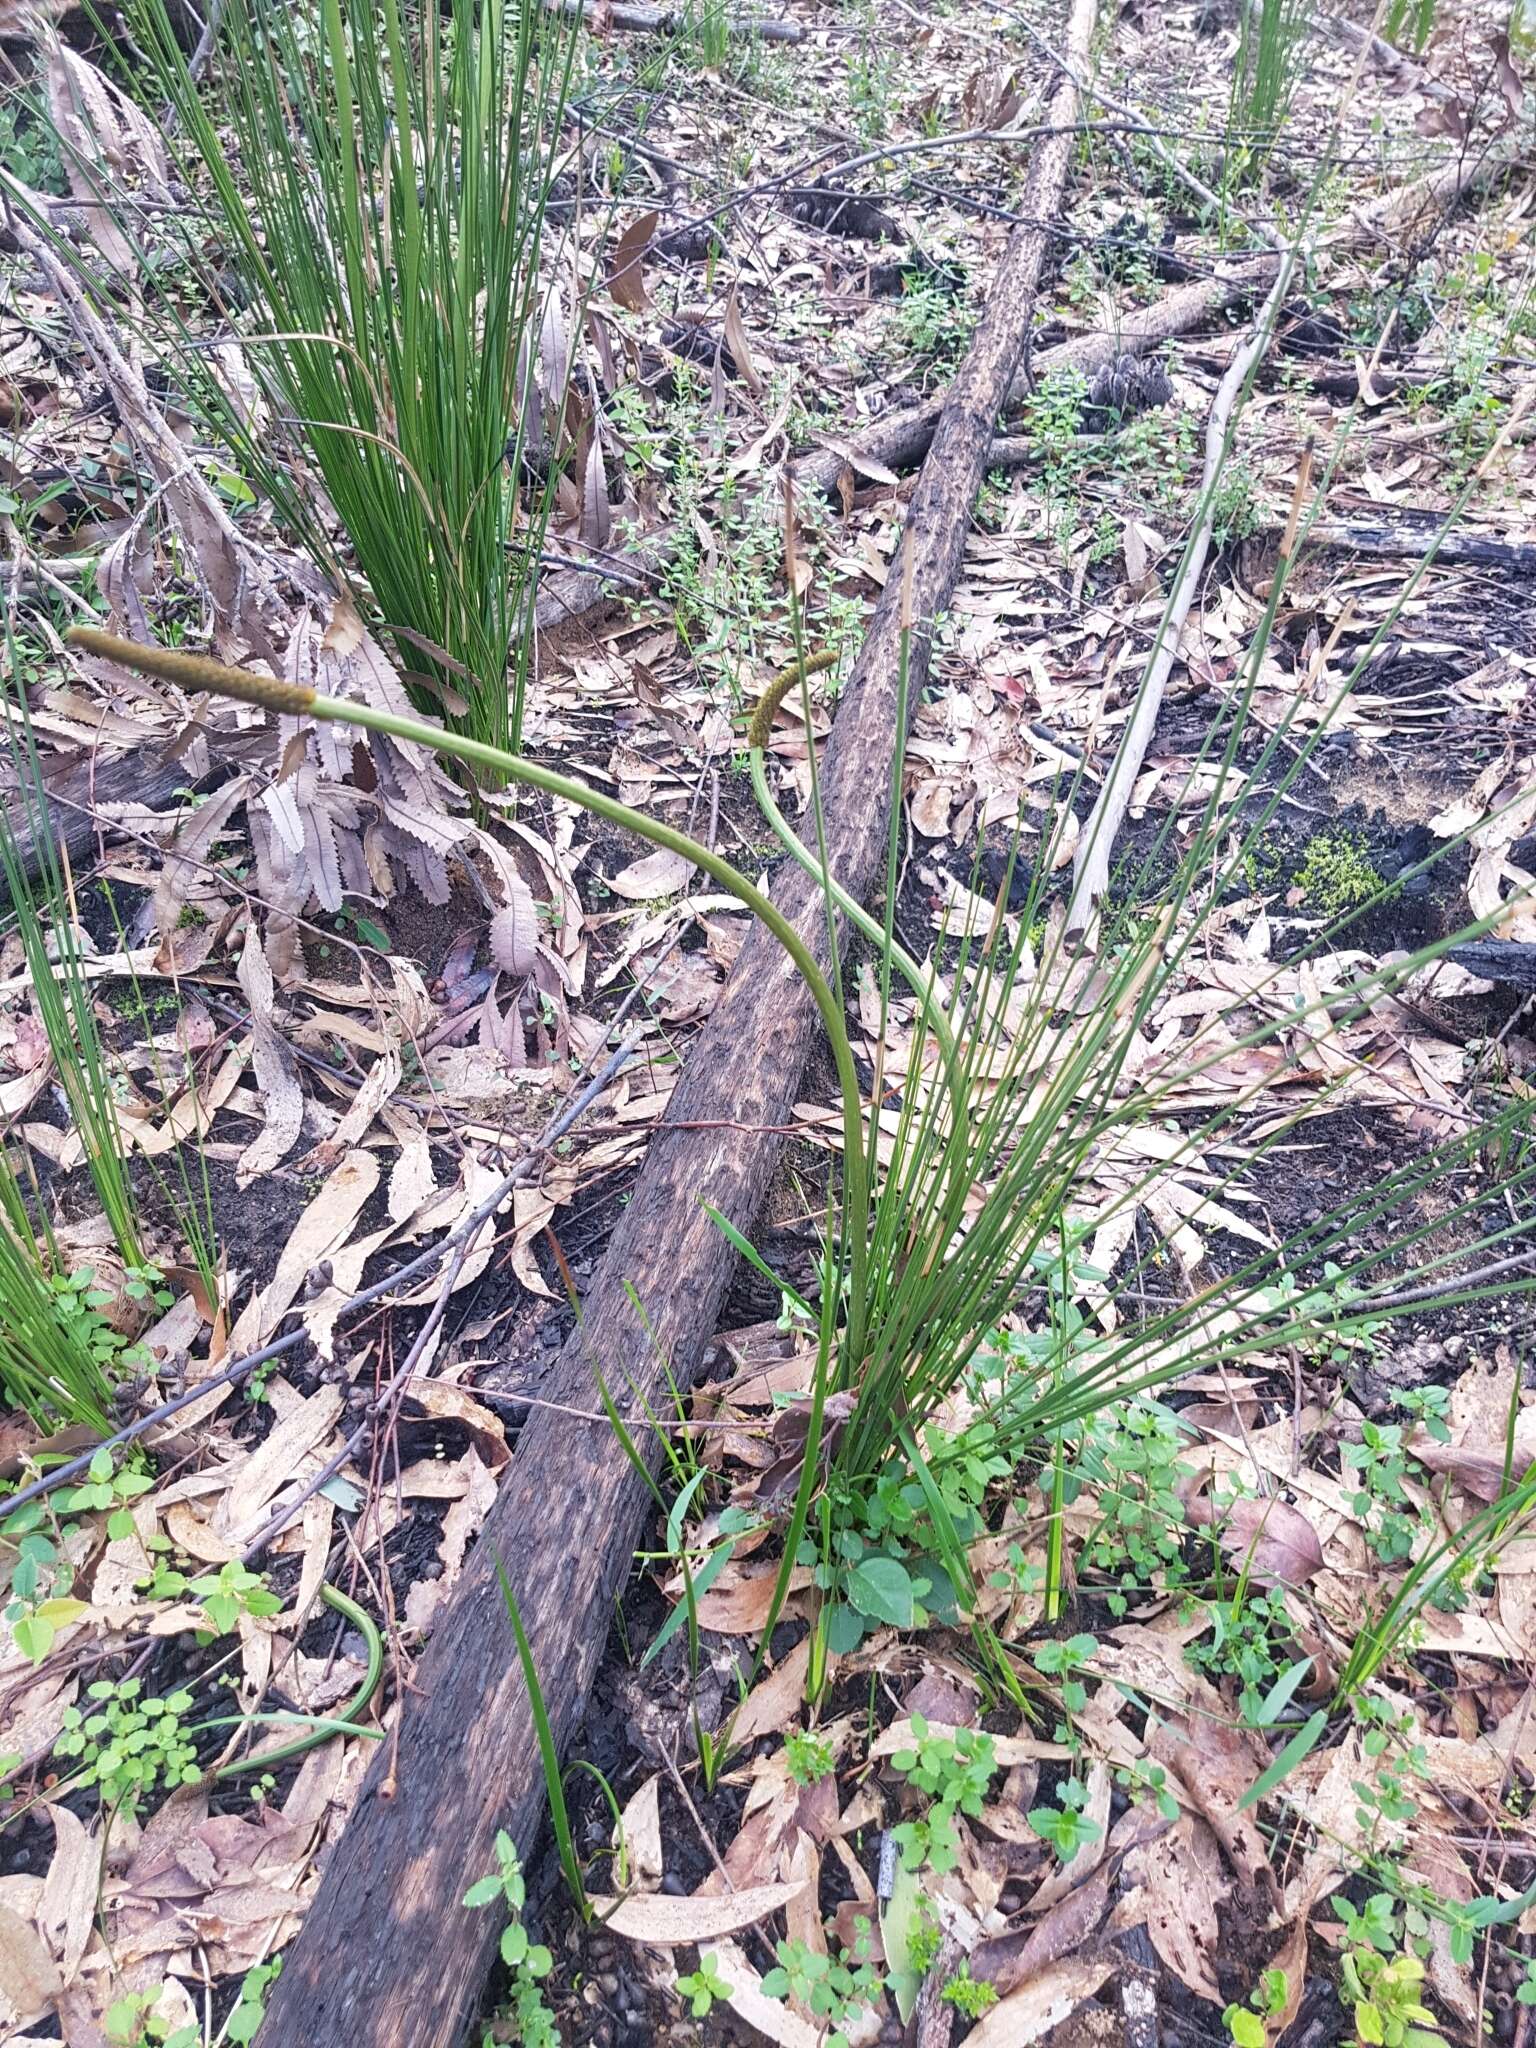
x: 29, y: 1979
x: 1031, y: 2012
x: 775, y: 1701
x: 660, y: 1921
x: 638, y: 1835
x: 736, y: 341
x: 445, y: 1401
x: 514, y: 933
x: 1010, y: 1960
x: 1290, y: 1959
x: 412, y: 1181
x: 763, y: 1847
x: 1321, y: 1792
x: 184, y: 876
x: 111, y: 149
x: 929, y: 807
x: 460, y: 1525
x: 1217, y: 1763
x: 596, y: 513
x: 1275, y: 1542
x: 654, y: 875
x: 1485, y: 1475
x: 1180, y: 1882
x: 21, y: 19
x: 626, y: 271
x: 276, y: 1069
x: 1007, y: 1749
x: 1434, y: 1859
x: 322, y: 1229
x: 738, y: 1602
x: 802, y: 1914
x: 279, y: 1461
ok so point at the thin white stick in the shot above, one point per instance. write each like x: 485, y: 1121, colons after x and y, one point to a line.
x: 1090, y: 872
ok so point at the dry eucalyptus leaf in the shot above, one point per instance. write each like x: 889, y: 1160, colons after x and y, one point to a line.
x: 29, y: 1977
x: 554, y: 352
x: 596, y: 513
x: 1037, y: 2007
x: 639, y: 1836
x: 111, y: 148
x: 514, y: 932
x: 277, y: 1071
x: 736, y: 341
x: 663, y: 1922
x: 661, y: 873
x: 325, y: 1225
x: 1181, y: 1883
x: 626, y: 273
x: 279, y: 1460
x: 775, y: 1702
x: 1276, y: 1543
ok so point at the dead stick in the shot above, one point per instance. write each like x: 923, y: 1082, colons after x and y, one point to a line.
x: 1090, y: 874
x: 386, y: 1958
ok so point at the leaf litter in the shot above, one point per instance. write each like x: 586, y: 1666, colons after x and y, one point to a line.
x: 383, y: 1088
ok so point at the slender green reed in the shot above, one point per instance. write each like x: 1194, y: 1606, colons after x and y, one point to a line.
x: 48, y: 1367
x: 61, y: 987
x: 383, y: 194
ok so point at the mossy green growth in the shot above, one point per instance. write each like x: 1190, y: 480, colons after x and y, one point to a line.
x: 1336, y: 874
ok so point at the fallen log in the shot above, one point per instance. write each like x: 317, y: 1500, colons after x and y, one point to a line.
x: 77, y: 788
x: 569, y: 597
x: 1510, y: 962
x: 901, y: 439
x: 1404, y: 533
x: 668, y: 21
x: 386, y: 1958
x: 1416, y: 211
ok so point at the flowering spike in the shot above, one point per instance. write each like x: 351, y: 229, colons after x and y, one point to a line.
x: 194, y: 671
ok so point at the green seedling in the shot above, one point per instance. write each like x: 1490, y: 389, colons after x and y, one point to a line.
x: 955, y: 1771
x: 1266, y: 2001
x: 970, y: 1996
x: 1065, y: 1826
x: 808, y: 1757
x: 704, y: 1988
x: 131, y: 1743
x: 834, y: 1987
x: 529, y: 1961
